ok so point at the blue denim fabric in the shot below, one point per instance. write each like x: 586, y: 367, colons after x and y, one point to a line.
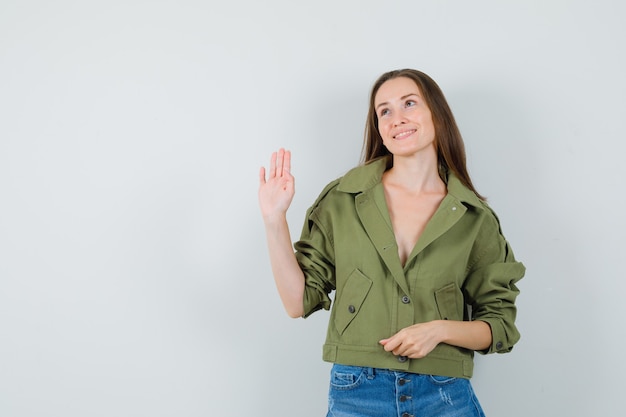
x: 361, y: 392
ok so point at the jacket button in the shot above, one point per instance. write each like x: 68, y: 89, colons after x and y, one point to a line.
x: 499, y: 345
x: 406, y: 299
x: 351, y: 309
x: 402, y: 359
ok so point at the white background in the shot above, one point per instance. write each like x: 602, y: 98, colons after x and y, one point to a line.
x: 134, y: 279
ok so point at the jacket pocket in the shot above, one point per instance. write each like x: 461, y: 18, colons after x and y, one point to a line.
x: 349, y: 302
x: 449, y: 302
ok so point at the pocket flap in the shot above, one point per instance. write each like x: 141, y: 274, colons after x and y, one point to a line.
x: 447, y: 299
x: 349, y: 302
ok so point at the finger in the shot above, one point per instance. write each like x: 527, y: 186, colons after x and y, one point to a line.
x: 390, y: 344
x: 279, y: 162
x: 273, y: 165
x: 287, y: 164
x: 262, y: 176
x: 401, y: 351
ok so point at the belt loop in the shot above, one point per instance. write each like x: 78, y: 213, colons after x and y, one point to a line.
x: 370, y: 373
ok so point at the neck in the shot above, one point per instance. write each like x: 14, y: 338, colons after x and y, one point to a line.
x: 415, y: 174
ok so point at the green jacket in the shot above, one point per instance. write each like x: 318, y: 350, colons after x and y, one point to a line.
x: 462, y: 268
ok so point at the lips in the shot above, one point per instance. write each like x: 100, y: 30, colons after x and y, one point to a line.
x: 404, y: 134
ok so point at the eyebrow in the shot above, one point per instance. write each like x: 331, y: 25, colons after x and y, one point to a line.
x: 401, y: 98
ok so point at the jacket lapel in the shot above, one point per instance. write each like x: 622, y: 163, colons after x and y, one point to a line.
x: 377, y: 225
x: 448, y: 213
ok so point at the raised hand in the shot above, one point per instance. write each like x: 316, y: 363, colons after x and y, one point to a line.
x: 275, y: 195
x: 277, y: 190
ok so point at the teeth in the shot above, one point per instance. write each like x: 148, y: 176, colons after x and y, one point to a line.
x: 404, y: 134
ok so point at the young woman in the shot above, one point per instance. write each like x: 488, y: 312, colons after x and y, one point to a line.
x: 422, y: 274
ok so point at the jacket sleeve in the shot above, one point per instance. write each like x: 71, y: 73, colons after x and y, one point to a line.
x: 491, y: 288
x: 316, y: 257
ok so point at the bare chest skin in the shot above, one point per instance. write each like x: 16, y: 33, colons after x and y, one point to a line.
x: 409, y: 213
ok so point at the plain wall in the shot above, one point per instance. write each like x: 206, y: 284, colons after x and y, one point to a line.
x: 134, y: 278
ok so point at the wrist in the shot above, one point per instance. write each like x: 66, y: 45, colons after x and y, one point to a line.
x: 274, y: 217
x: 444, y: 333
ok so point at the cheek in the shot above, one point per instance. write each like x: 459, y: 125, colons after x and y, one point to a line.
x: 383, y: 135
x: 383, y: 129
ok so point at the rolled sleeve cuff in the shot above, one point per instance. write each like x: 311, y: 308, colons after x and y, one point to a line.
x: 503, y: 340
x: 314, y: 300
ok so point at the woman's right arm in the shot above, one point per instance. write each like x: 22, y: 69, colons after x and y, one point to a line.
x: 276, y: 192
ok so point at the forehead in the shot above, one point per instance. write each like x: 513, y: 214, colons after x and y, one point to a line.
x: 395, y: 89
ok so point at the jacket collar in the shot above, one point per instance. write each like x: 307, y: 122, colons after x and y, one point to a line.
x: 365, y: 177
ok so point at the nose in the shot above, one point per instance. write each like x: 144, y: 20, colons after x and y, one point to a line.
x: 399, y: 120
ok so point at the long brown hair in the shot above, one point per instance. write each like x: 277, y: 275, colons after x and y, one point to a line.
x: 448, y: 139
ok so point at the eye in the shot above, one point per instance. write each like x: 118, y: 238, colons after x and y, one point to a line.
x: 410, y: 103
x: 384, y: 112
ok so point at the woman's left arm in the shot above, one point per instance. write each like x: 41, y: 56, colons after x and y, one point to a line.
x: 420, y: 339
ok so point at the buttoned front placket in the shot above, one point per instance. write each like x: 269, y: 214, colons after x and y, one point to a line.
x: 374, y: 215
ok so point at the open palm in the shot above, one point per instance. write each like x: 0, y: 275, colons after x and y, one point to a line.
x: 277, y: 189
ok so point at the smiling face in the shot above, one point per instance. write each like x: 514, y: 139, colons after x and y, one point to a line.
x: 405, y: 122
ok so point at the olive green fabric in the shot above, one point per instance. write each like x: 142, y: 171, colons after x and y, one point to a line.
x: 462, y: 268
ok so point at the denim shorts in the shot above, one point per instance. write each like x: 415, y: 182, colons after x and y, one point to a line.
x: 357, y: 391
